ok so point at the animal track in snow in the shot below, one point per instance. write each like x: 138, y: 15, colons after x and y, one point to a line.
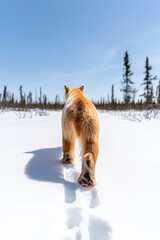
x: 82, y: 222
x: 98, y: 229
x: 74, y: 218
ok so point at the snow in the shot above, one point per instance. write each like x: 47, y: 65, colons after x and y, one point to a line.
x: 40, y: 199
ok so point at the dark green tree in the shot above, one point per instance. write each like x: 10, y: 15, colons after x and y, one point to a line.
x: 127, y: 83
x: 22, y: 96
x: 29, y: 98
x: 12, y: 98
x: 40, y: 96
x: 148, y: 93
x: 45, y: 100
x: 4, y: 97
x: 134, y: 91
x: 112, y: 94
x: 158, y: 93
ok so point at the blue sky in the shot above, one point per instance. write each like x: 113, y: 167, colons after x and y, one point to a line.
x: 50, y: 43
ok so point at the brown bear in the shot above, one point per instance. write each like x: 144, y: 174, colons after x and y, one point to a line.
x: 80, y: 120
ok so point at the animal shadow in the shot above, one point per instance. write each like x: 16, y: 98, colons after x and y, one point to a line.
x: 45, y: 165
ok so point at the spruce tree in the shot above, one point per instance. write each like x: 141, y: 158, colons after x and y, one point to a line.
x: 12, y: 98
x: 45, y: 100
x: 40, y: 96
x: 134, y: 91
x: 21, y: 94
x: 148, y: 85
x: 22, y: 97
x: 127, y: 83
x: 4, y: 97
x: 158, y: 93
x: 112, y: 94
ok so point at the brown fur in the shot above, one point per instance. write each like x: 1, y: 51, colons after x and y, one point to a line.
x: 79, y: 119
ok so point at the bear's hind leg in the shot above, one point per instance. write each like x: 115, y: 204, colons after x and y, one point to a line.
x: 87, y: 176
x: 89, y: 157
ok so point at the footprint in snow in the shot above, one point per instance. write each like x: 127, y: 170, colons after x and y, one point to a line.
x: 99, y: 229
x: 74, y: 218
x: 82, y: 224
x: 87, y: 226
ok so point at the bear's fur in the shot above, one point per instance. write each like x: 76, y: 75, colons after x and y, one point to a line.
x: 80, y: 119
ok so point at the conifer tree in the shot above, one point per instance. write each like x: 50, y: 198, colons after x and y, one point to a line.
x: 112, y: 94
x: 4, y: 97
x: 134, y: 91
x: 29, y: 98
x: 12, y: 98
x: 22, y: 96
x: 40, y: 96
x: 148, y: 85
x: 45, y: 100
x: 127, y: 83
x: 158, y: 93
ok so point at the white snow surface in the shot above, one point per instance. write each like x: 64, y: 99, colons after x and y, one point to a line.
x: 39, y: 196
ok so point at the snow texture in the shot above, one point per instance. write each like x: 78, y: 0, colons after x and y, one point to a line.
x: 40, y: 198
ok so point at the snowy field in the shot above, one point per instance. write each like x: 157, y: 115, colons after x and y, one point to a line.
x: 40, y: 199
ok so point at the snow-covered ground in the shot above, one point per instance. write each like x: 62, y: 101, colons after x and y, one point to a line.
x: 40, y: 199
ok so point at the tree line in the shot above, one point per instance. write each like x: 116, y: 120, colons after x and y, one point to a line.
x: 26, y: 101
x: 149, y: 98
